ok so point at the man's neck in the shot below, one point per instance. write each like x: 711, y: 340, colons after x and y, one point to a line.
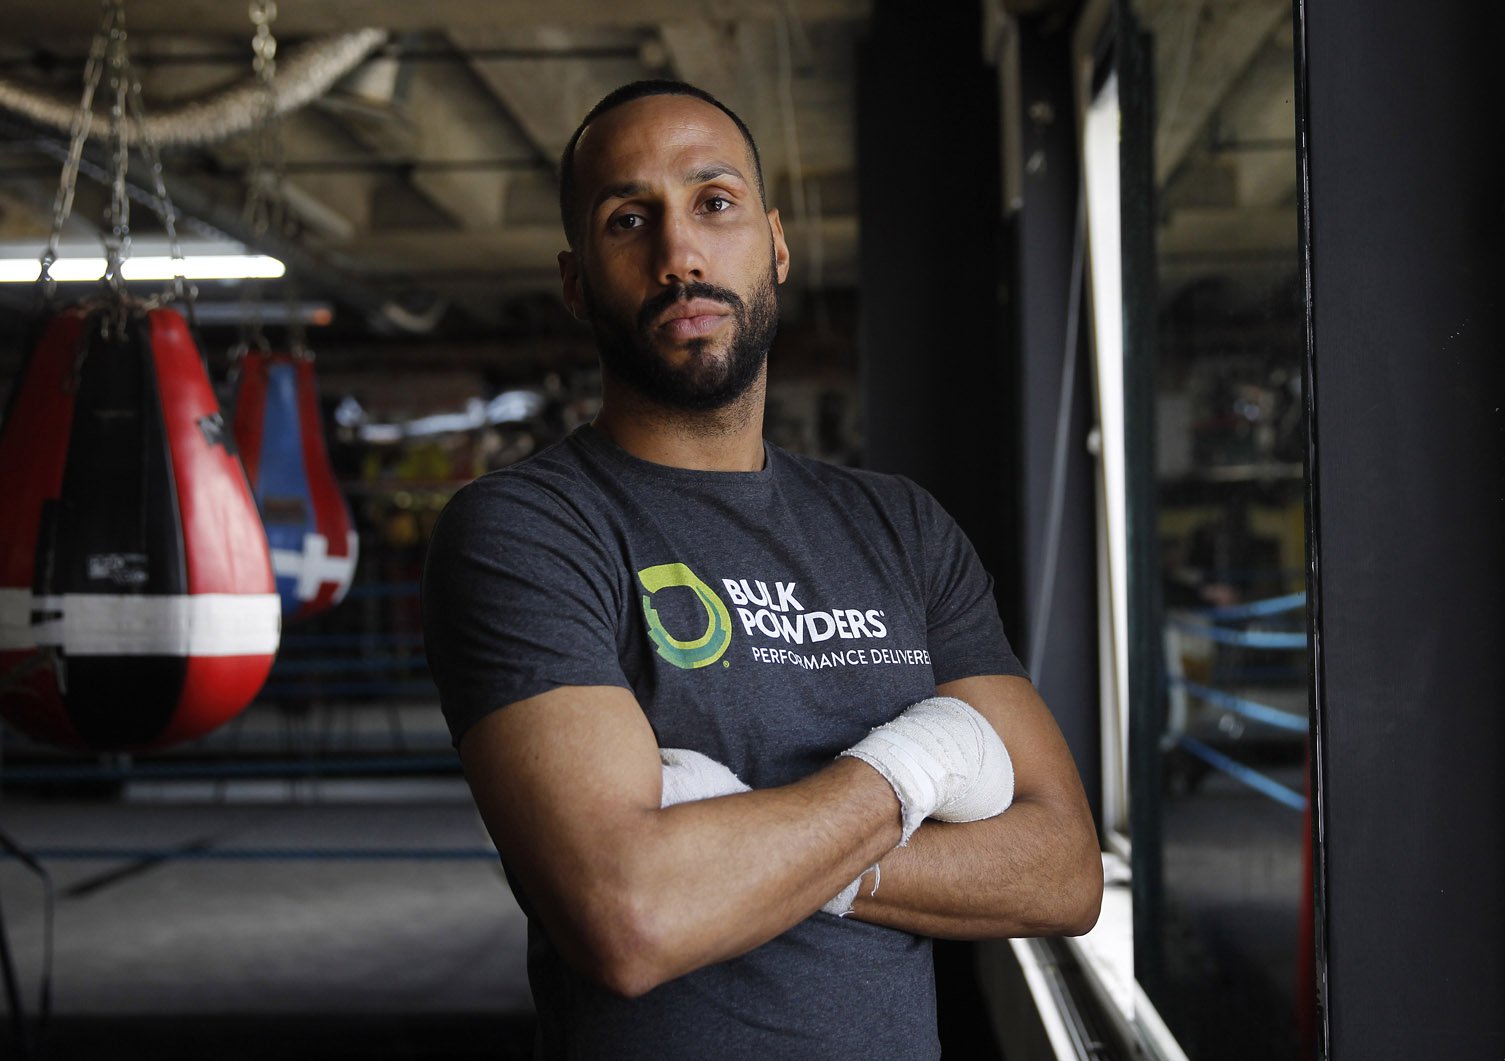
x: 729, y: 439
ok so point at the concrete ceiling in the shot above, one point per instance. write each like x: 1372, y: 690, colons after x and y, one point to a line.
x: 421, y: 187
x: 1225, y: 151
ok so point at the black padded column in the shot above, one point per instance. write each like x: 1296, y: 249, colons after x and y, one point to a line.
x: 1398, y: 137
x: 938, y: 393
x: 935, y: 382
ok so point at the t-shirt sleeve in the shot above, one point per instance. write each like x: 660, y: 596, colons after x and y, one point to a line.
x: 966, y: 636
x: 518, y: 598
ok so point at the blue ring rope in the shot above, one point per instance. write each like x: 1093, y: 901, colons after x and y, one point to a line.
x: 1244, y: 774
x: 1250, y: 709
x: 1253, y: 609
x: 1270, y: 639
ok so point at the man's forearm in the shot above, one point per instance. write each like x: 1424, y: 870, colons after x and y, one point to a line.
x: 570, y: 784
x: 1036, y: 869
x: 705, y: 881
x: 1031, y: 871
x: 633, y: 894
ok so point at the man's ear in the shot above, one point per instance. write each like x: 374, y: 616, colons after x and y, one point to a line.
x: 780, y: 248
x: 569, y: 276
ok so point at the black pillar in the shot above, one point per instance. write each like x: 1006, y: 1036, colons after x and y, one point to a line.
x: 1407, y: 471
x: 964, y: 324
x: 1058, y: 514
x: 938, y: 389
x: 936, y: 384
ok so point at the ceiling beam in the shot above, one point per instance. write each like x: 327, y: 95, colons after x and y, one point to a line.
x: 704, y: 54
x: 454, y: 117
x: 546, y: 98
x: 37, y: 17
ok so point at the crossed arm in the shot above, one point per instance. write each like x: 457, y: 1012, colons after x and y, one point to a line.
x: 1034, y: 870
x: 568, y: 783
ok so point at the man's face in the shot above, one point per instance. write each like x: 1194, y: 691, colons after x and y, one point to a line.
x: 677, y: 260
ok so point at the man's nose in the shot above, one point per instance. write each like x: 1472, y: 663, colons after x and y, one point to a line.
x: 681, y: 259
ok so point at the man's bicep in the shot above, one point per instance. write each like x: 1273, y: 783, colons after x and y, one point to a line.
x: 560, y: 779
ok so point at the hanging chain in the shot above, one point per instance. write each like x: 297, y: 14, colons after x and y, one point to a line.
x: 263, y: 210
x: 83, y: 120
x: 264, y: 57
x: 262, y: 201
x: 127, y: 122
x: 118, y: 242
x: 169, y: 215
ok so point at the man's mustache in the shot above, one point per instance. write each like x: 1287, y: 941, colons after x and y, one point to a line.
x: 655, y: 306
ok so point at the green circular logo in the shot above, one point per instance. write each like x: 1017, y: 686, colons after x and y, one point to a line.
x: 703, y: 650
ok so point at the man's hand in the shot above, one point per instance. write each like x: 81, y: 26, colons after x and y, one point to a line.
x: 943, y: 760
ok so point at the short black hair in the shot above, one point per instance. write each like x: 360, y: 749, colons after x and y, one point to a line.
x: 626, y: 94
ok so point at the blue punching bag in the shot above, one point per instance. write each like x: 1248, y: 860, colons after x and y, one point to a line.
x: 281, y: 439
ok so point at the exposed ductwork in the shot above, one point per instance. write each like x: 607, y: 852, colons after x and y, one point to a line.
x: 305, y: 76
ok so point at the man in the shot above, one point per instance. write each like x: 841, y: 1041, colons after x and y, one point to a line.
x: 636, y: 625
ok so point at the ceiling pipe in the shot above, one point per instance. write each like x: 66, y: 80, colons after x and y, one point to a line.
x: 302, y: 78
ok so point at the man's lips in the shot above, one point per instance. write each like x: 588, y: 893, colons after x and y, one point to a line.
x: 697, y: 317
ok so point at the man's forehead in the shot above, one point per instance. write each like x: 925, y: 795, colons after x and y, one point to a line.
x: 659, y: 128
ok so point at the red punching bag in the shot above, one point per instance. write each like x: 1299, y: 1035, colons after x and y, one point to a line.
x: 281, y: 438
x: 137, y: 606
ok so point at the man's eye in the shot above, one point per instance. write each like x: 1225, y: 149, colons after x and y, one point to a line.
x: 717, y: 203
x: 627, y: 221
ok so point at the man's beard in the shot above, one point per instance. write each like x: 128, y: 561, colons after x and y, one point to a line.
x: 704, y: 382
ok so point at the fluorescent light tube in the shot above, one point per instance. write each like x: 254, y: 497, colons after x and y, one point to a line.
x: 193, y: 267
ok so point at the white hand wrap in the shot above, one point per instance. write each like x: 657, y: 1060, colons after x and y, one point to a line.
x: 841, y: 903
x: 689, y: 776
x: 944, y: 761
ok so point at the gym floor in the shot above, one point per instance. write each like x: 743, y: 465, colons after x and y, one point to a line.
x: 285, y: 949
x: 306, y: 918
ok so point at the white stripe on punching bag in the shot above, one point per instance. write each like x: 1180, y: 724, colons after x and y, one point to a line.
x: 87, y: 624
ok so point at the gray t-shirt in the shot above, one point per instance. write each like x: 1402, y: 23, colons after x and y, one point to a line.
x: 767, y: 619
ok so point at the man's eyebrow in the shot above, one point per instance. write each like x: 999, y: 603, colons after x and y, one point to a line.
x: 711, y: 172
x: 620, y: 190
x: 628, y: 189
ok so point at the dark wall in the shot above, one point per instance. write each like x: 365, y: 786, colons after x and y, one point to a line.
x: 1408, y: 521
x: 936, y: 383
